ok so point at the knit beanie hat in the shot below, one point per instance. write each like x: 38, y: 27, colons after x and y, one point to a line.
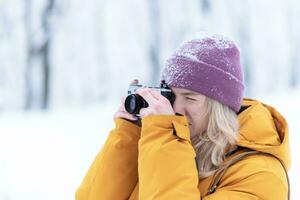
x: 210, y: 66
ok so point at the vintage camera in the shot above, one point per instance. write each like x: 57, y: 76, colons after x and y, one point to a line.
x: 134, y: 102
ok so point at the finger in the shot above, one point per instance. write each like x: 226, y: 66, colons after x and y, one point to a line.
x: 135, y: 81
x: 123, y: 99
x: 125, y: 115
x: 146, y: 112
x: 122, y: 106
x: 157, y: 95
x: 146, y: 94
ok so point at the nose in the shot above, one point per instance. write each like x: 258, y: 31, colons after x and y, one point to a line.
x: 178, y: 107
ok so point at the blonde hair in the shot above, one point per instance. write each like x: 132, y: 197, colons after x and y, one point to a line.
x: 212, y: 145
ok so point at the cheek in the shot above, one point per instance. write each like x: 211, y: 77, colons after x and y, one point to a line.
x: 197, y: 114
x: 193, y: 109
x: 192, y: 112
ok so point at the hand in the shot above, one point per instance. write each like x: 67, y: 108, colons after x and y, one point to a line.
x: 122, y: 113
x: 158, y: 104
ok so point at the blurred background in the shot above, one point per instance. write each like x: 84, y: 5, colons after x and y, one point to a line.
x: 64, y: 66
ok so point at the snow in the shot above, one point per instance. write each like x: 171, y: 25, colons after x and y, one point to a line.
x: 201, y: 44
x: 97, y: 47
x: 45, y: 155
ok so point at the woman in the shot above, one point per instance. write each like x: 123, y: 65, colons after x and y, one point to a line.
x: 210, y: 144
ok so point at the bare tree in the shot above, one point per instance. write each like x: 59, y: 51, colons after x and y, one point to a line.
x: 28, y: 64
x: 154, y: 49
x: 44, y: 51
x: 38, y: 51
x: 294, y: 29
x: 295, y: 63
x: 205, y: 6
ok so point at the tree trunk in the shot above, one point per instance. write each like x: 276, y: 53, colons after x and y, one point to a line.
x: 45, y: 52
x: 154, y: 49
x: 29, y: 50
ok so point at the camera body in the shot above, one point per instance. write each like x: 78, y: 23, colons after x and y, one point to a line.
x: 134, y: 102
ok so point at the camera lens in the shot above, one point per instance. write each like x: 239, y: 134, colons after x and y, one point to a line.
x: 134, y: 102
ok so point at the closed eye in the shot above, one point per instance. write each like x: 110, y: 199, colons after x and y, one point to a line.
x: 190, y: 99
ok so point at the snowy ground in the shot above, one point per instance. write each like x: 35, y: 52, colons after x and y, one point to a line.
x: 44, y: 156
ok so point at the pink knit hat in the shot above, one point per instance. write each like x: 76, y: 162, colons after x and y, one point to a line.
x: 209, y: 65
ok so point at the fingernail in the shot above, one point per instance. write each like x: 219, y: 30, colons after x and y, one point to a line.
x: 135, y: 81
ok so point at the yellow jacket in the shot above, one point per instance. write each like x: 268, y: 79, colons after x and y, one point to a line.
x: 153, y: 163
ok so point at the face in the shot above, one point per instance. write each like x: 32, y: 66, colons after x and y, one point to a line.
x: 192, y: 105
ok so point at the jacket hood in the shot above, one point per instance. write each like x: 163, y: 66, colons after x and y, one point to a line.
x: 264, y: 129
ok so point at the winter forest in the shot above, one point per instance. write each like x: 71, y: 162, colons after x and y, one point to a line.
x: 64, y: 66
x: 64, y: 53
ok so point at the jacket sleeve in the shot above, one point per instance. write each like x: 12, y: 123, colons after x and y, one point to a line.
x: 166, y: 161
x: 113, y: 174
